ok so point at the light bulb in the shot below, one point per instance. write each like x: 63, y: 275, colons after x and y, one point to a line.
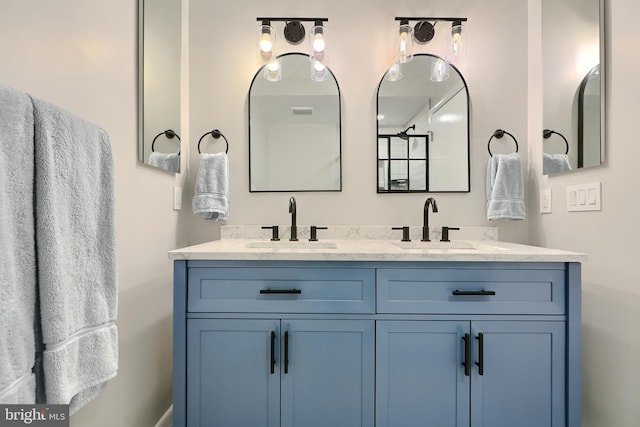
x: 439, y: 70
x: 272, y: 71
x: 265, y: 43
x: 394, y: 73
x: 404, y: 42
x: 318, y: 43
x: 319, y: 72
x: 455, y: 43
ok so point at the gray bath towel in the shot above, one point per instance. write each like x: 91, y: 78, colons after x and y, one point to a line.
x: 211, y: 198
x: 17, y: 249
x: 75, y: 240
x: 554, y: 163
x: 505, y: 187
x: 167, y: 161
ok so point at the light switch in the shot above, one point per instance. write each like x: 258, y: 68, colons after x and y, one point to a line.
x: 545, y: 201
x: 584, y: 197
x: 177, y: 197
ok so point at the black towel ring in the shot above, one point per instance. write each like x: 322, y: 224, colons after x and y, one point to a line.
x: 169, y: 134
x: 546, y: 134
x: 499, y: 133
x: 216, y: 134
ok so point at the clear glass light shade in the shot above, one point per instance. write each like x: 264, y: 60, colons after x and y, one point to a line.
x: 319, y: 72
x: 318, y: 43
x: 439, y: 70
x: 272, y: 70
x: 404, y: 43
x: 266, y: 42
x: 394, y: 73
x: 457, y: 51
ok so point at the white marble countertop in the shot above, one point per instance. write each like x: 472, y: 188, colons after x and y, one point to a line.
x: 260, y: 247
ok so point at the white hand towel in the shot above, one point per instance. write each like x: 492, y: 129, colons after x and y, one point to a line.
x: 211, y: 198
x: 505, y: 187
x: 554, y: 163
x: 166, y: 161
x: 76, y: 256
x: 17, y: 249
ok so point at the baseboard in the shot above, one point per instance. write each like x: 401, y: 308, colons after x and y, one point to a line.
x: 167, y: 418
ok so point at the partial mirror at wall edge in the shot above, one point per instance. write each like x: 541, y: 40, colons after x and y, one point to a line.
x: 159, y: 68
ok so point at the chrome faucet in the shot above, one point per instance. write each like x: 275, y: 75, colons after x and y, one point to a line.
x: 294, y: 227
x: 425, y: 222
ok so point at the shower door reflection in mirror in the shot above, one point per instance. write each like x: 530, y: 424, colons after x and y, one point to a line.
x: 159, y: 61
x: 423, y: 128
x: 294, y: 130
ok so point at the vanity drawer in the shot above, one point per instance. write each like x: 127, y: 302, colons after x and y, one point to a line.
x: 471, y: 291
x: 281, y: 290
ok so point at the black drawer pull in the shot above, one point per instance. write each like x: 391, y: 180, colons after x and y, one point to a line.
x: 280, y: 291
x: 459, y: 293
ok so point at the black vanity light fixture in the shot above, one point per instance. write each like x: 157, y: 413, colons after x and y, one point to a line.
x: 294, y: 33
x: 421, y: 33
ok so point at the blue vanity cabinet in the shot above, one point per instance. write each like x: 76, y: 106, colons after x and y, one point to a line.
x: 229, y: 376
x: 475, y: 347
x: 274, y: 345
x: 419, y: 380
x: 376, y: 344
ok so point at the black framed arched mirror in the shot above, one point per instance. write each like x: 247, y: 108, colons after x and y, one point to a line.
x: 294, y: 129
x: 423, y: 128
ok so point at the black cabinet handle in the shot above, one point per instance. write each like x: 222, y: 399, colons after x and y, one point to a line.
x: 286, y: 352
x: 273, y: 352
x: 280, y: 291
x: 467, y: 355
x: 459, y: 293
x: 480, y: 362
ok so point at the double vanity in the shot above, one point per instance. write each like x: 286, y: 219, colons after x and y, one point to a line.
x: 362, y: 329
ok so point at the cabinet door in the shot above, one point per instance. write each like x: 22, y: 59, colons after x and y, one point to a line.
x: 329, y: 379
x: 229, y: 378
x: 420, y: 379
x: 522, y: 380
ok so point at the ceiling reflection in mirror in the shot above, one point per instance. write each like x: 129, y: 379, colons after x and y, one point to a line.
x: 294, y: 130
x: 573, y: 86
x: 159, y: 51
x: 423, y: 128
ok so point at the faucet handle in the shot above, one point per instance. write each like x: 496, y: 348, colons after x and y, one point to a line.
x: 445, y: 233
x: 314, y: 233
x: 405, y: 232
x: 275, y: 232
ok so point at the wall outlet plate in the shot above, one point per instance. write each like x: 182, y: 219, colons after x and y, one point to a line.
x: 177, y: 197
x: 545, y: 200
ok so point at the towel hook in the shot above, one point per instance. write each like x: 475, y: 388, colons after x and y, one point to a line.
x: 547, y: 133
x: 216, y: 134
x: 169, y: 134
x: 499, y: 133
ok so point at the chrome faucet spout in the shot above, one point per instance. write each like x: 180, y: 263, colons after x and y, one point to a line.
x: 293, y: 211
x: 425, y: 220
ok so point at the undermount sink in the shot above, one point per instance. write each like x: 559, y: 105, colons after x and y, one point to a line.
x: 287, y: 244
x: 453, y: 245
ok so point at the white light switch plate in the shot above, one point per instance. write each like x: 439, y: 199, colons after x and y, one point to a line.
x: 545, y: 201
x: 584, y: 197
x: 177, y: 197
